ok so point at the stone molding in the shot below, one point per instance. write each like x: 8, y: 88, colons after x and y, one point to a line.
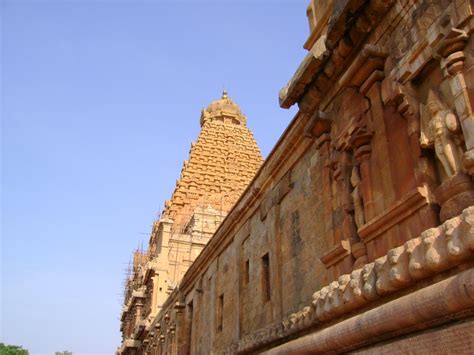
x: 435, y: 250
x: 337, y: 253
x: 321, y: 11
x: 329, y: 53
x: 151, y: 268
x: 411, y: 203
x: 435, y: 304
x: 131, y: 343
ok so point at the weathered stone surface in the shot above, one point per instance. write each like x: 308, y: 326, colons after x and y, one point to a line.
x: 221, y: 163
x: 359, y: 226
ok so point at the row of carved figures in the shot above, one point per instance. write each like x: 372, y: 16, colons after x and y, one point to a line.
x: 436, y: 250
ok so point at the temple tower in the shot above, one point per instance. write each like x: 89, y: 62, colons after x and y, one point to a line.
x: 222, y: 162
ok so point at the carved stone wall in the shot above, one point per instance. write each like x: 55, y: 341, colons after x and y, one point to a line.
x: 222, y: 162
x: 358, y: 229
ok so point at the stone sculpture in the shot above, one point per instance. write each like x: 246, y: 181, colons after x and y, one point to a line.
x: 357, y: 198
x: 440, y: 129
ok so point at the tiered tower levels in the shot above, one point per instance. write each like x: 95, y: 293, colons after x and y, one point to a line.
x: 221, y: 163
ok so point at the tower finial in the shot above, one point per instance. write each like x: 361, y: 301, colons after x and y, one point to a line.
x: 224, y: 94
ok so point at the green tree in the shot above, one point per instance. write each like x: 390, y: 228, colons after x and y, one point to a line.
x: 12, y: 350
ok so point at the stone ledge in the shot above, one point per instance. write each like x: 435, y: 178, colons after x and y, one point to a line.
x: 452, y: 298
x: 128, y: 344
x: 329, y: 53
x: 452, y: 339
x: 435, y: 250
x: 138, y: 294
x: 336, y: 254
x: 411, y: 202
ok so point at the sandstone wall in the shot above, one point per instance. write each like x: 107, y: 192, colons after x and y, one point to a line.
x: 357, y: 232
x: 222, y: 162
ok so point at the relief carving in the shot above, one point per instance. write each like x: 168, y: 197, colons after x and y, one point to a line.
x: 335, y: 303
x: 440, y: 129
x: 466, y: 229
x: 399, y: 275
x: 382, y: 269
x: 436, y: 249
x: 369, y: 277
x: 353, y: 296
x: 307, y: 313
x: 416, y: 264
x: 436, y: 252
x: 450, y: 52
x: 458, y: 242
x: 330, y: 301
x: 319, y: 299
x: 414, y: 27
x: 347, y: 204
x: 357, y: 198
x: 359, y: 251
x: 360, y: 138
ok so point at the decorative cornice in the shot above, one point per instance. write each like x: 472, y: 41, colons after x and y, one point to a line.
x: 337, y: 253
x: 411, y: 203
x: 330, y: 54
x: 441, y: 302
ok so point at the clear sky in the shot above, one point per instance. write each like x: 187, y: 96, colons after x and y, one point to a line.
x: 100, y: 103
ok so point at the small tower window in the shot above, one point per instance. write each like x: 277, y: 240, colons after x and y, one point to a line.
x: 247, y: 272
x: 266, y: 291
x: 220, y: 309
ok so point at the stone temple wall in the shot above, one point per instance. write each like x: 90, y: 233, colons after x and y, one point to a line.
x: 222, y: 162
x: 357, y: 234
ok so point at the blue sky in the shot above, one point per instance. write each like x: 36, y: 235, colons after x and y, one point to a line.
x: 100, y: 103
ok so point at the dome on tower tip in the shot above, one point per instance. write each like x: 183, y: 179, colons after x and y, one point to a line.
x: 223, y: 110
x: 224, y: 104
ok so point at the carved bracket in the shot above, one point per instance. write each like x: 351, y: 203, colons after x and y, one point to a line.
x: 336, y: 254
x: 319, y: 124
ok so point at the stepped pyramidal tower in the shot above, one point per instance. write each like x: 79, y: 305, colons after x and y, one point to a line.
x: 221, y: 164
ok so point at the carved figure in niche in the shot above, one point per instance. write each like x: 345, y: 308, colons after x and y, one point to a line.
x: 441, y: 128
x: 341, y: 164
x: 357, y: 198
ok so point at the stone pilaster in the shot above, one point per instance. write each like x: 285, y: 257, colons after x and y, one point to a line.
x: 450, y: 51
